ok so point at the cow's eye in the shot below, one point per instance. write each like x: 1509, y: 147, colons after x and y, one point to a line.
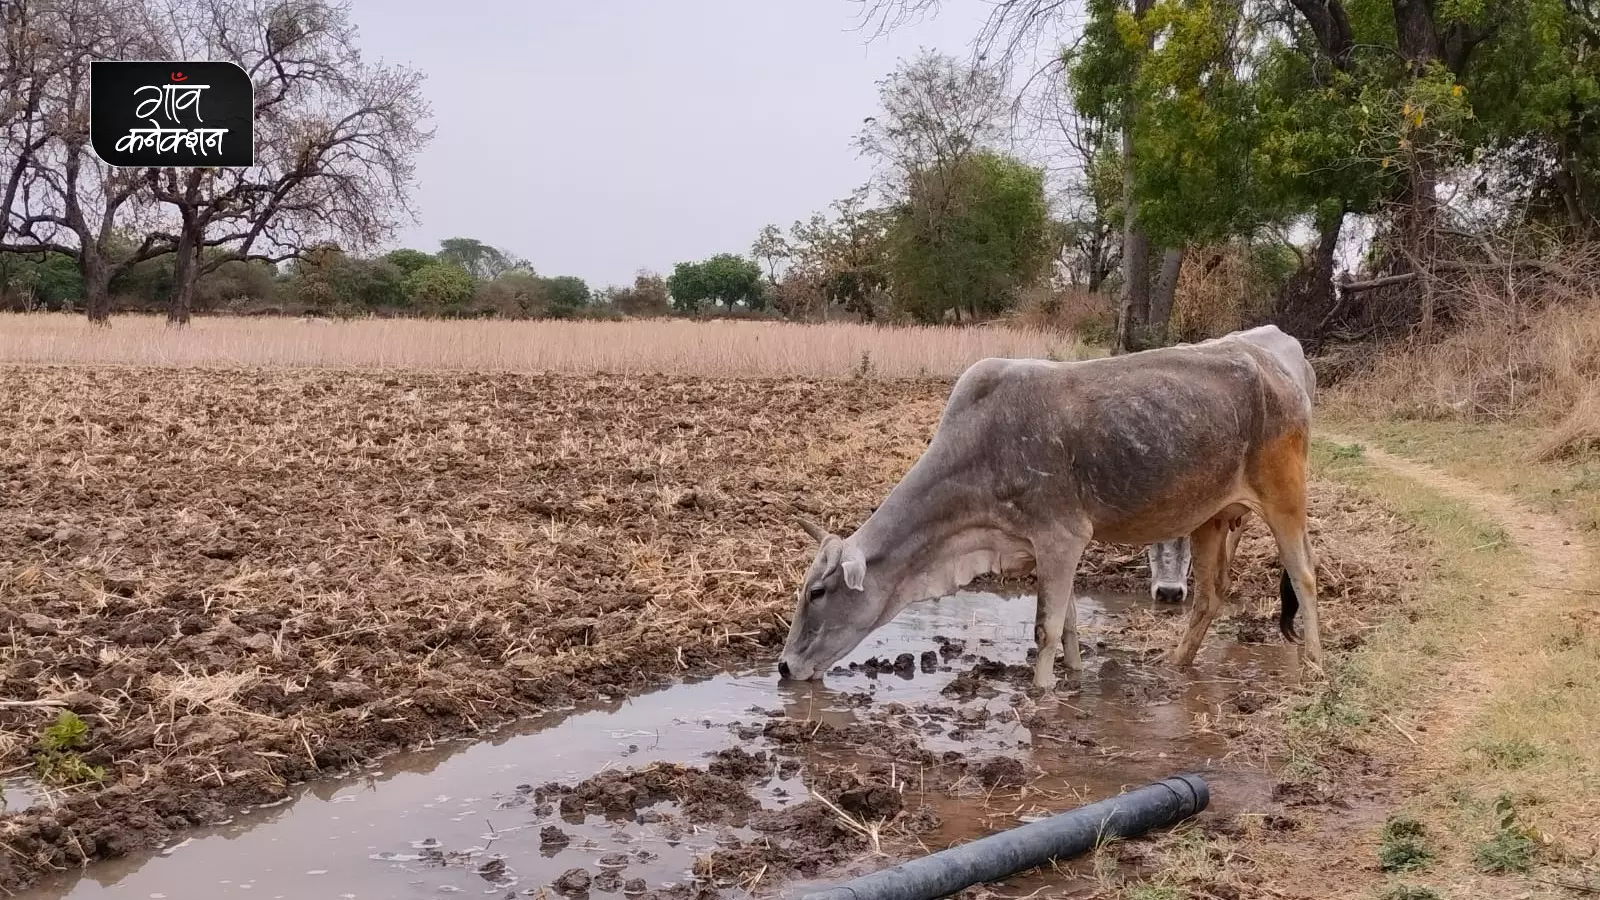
x: 816, y: 592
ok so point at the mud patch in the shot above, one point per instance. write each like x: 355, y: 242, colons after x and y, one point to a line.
x: 701, y: 795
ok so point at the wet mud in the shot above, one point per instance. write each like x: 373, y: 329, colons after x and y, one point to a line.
x: 741, y: 785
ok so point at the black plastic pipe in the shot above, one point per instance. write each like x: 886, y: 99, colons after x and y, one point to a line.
x: 1062, y: 836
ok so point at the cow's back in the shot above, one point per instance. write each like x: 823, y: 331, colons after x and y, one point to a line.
x: 1120, y: 438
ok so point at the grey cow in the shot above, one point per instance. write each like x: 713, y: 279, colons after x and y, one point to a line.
x: 1033, y: 459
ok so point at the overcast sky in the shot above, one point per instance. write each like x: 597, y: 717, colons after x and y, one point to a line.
x: 595, y: 137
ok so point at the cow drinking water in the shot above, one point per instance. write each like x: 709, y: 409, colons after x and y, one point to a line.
x: 1033, y: 459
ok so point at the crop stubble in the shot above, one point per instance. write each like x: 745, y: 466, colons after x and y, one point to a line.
x: 241, y: 579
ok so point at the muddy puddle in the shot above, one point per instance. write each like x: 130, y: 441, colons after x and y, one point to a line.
x: 925, y: 736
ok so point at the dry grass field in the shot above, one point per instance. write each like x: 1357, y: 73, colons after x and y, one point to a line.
x: 663, y: 346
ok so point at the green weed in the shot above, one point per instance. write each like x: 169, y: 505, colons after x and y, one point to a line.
x: 57, y: 760
x: 1512, y: 847
x: 1348, y: 451
x: 1508, y: 755
x: 1402, y: 847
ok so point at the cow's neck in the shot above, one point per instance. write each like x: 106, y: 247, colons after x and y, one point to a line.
x: 918, y: 544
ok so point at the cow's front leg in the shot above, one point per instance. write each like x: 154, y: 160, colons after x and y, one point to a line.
x: 1057, y: 613
x: 1210, y: 542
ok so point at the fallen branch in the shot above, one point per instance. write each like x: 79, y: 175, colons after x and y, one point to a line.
x: 1538, y: 265
x: 1353, y: 287
x: 10, y: 704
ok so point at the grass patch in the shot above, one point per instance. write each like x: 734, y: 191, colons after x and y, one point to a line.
x: 1508, y: 755
x: 1403, y: 846
x: 1497, y: 455
x: 1493, y: 650
x: 1511, y: 847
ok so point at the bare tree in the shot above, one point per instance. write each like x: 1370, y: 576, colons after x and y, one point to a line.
x: 936, y: 111
x: 772, y: 250
x: 1081, y: 166
x: 336, y: 139
x: 1010, y: 26
x: 60, y: 196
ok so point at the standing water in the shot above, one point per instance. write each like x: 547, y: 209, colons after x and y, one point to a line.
x: 463, y: 818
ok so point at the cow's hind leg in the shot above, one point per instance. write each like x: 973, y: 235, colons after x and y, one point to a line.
x: 1210, y: 543
x: 1283, y: 508
x: 1299, y: 567
x: 1057, y: 613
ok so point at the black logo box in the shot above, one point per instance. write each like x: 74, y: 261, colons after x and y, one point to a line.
x: 189, y: 100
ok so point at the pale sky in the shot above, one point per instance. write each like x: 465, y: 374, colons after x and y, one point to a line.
x: 595, y: 137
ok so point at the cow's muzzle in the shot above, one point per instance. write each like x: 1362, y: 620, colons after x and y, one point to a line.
x: 1167, y: 593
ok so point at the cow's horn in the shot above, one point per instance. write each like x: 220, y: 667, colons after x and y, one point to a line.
x: 816, y: 531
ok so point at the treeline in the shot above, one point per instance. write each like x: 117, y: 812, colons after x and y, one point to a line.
x: 464, y: 278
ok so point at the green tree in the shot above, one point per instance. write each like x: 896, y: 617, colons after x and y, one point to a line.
x: 565, y: 296
x: 838, y: 260
x: 726, y: 278
x: 478, y: 259
x: 648, y: 296
x: 372, y: 284
x: 514, y: 295
x: 441, y: 289
x: 1241, y: 115
x: 408, y: 260
x: 48, y: 281
x: 968, y: 237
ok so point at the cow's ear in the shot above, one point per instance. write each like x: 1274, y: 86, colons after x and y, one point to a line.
x: 829, y: 553
x: 854, y: 564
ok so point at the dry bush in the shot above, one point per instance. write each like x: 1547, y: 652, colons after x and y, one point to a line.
x: 1073, y: 309
x: 1220, y: 288
x: 1514, y: 355
x: 1578, y: 434
x: 720, y: 348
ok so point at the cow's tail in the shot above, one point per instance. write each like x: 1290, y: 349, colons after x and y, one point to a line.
x: 1291, y: 605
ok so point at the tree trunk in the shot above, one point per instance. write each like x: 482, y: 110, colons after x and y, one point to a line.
x: 1415, y: 34
x: 1308, y: 306
x: 1134, y: 302
x: 1097, y: 268
x: 1165, y: 289
x: 1569, y: 184
x: 185, y: 272
x: 1421, y: 221
x: 96, y: 286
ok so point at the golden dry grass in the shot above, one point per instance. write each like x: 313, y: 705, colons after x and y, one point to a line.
x: 1533, y: 365
x: 714, y: 348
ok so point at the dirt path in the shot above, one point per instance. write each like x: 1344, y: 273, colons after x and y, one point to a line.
x: 1559, y: 567
x: 1494, y: 660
